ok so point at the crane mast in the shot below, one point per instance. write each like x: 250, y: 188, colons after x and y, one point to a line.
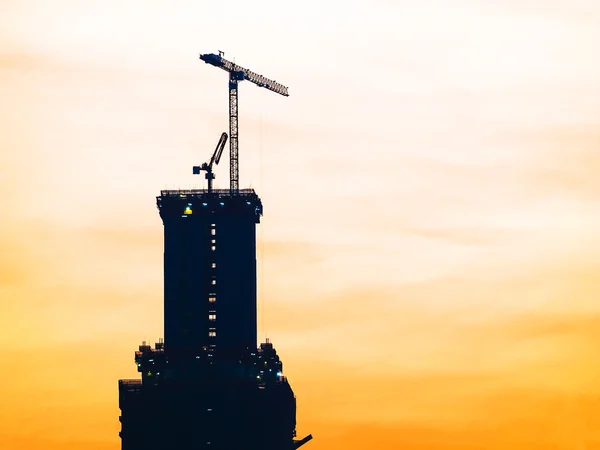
x: 237, y: 74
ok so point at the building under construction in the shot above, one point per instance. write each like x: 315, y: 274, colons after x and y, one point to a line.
x: 207, y: 385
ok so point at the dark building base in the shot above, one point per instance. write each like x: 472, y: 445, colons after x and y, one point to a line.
x: 227, y: 405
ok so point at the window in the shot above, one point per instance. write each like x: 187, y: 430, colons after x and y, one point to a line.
x: 213, y: 282
x: 212, y: 334
x: 212, y: 317
x: 212, y: 298
x: 214, y: 241
x: 213, y: 247
x: 213, y: 231
x: 213, y: 265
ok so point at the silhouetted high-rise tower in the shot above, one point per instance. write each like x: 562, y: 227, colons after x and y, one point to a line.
x: 207, y: 385
x: 210, y: 269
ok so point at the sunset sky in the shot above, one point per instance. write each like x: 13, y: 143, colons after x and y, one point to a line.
x: 429, y: 256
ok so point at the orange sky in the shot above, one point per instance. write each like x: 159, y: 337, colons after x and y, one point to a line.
x: 429, y: 255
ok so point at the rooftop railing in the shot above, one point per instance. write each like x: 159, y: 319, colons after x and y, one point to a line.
x: 216, y: 192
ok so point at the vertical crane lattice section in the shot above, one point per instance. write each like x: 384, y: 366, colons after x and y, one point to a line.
x: 237, y: 74
x: 233, y: 133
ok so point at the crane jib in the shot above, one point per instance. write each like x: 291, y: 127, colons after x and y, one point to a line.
x: 243, y: 74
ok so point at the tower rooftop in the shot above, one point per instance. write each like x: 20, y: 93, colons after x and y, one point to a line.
x: 220, y: 193
x: 193, y: 202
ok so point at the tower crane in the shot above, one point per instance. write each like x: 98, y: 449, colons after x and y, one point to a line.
x: 216, y: 157
x: 237, y: 74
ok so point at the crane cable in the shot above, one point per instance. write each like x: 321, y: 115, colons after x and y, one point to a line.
x: 261, y: 239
